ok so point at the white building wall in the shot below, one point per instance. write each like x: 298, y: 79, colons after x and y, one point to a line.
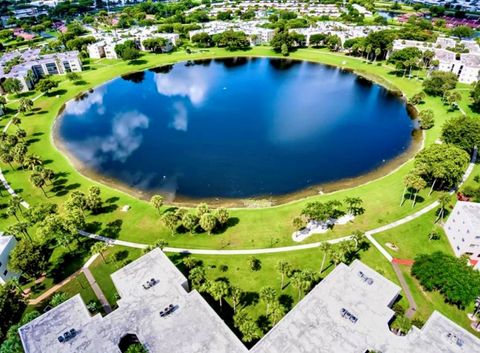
x: 5, y: 273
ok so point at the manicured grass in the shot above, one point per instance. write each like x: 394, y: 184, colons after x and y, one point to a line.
x: 79, y: 285
x: 102, y: 270
x: 412, y: 238
x: 256, y: 228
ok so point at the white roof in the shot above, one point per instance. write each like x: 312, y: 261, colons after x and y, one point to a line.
x: 192, y: 327
x: 314, y: 325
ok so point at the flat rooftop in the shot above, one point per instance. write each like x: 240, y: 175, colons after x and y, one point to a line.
x: 348, y: 311
x: 193, y: 326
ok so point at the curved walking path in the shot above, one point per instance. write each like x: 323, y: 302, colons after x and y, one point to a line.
x: 369, y: 234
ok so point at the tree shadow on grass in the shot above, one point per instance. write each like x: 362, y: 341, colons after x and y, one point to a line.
x: 264, y: 323
x: 57, y: 92
x: 112, y: 199
x: 32, y: 141
x: 38, y: 134
x: 112, y: 229
x: 93, y: 227
x: 80, y: 83
x: 137, y: 62
x: 286, y: 301
x: 108, y: 208
x: 232, y: 221
x: 25, y: 94
x: 65, y: 189
x: 249, y: 298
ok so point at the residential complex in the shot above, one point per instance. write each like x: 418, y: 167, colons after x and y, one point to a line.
x: 465, y: 65
x: 264, y: 8
x: 463, y: 230
x: 257, y: 34
x: 30, y: 65
x: 106, y: 41
x: 343, y: 31
x: 349, y: 311
x: 7, y: 243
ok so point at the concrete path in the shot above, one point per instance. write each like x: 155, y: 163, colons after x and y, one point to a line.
x: 406, y: 289
x: 52, y: 290
x: 97, y: 290
x: 91, y: 280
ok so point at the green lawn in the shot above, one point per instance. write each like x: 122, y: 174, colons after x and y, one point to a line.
x: 102, y: 270
x: 256, y: 227
x: 79, y: 285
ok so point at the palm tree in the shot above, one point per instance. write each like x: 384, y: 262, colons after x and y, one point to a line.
x: 157, y: 202
x: 25, y: 105
x: 16, y: 121
x: 249, y: 330
x: 297, y: 282
x: 359, y: 238
x: 283, y: 267
x: 378, y: 51
x: 99, y: 248
x: 32, y: 161
x: 16, y: 201
x: 236, y: 294
x: 12, y: 211
x: 218, y: 290
x: 418, y: 184
x: 38, y: 182
x: 268, y: 295
x: 47, y: 175
x: 170, y: 221
x: 276, y: 311
x: 326, y: 248
x: 7, y: 158
x: 444, y: 201
x: 189, y: 262
x: 21, y: 134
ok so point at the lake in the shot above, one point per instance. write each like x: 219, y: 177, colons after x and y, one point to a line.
x: 235, y: 128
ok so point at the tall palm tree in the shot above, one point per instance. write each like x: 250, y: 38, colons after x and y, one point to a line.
x: 276, y: 311
x: 25, y: 105
x: 38, y: 182
x: 444, y: 201
x: 268, y: 295
x: 99, y: 248
x: 283, y: 267
x: 47, y: 175
x: 326, y: 248
x: 236, y: 294
x: 218, y: 290
x: 32, y: 161
x: 418, y: 184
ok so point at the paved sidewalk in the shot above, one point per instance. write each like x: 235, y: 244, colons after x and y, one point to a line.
x: 52, y: 290
x: 97, y: 290
x: 406, y: 289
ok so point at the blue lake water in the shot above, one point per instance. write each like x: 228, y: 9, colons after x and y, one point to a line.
x: 235, y: 128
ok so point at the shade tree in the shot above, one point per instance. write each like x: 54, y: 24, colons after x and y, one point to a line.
x: 462, y: 131
x: 157, y: 202
x: 30, y: 258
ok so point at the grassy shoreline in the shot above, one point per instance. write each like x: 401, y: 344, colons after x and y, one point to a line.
x: 263, y: 227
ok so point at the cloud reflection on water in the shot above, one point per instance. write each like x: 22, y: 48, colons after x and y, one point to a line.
x: 187, y: 82
x: 126, y: 136
x: 83, y: 103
